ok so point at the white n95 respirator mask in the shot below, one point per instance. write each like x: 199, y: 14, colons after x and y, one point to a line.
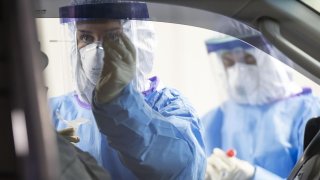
x: 243, y: 82
x: 91, y: 57
x: 91, y: 63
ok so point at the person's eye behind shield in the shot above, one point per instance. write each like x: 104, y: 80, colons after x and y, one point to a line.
x: 86, y: 38
x: 250, y: 59
x: 227, y: 59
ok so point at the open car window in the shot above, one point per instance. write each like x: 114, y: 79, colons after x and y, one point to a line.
x: 211, y: 60
x: 182, y: 59
x: 200, y: 53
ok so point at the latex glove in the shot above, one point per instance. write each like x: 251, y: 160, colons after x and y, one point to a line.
x: 69, y: 134
x: 212, y: 173
x: 119, y: 68
x: 220, y: 166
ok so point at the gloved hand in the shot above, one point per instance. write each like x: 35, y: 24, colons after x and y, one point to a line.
x: 119, y: 68
x: 222, y: 167
x: 69, y: 134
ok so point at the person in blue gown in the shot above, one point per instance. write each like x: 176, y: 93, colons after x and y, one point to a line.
x: 264, y: 118
x: 132, y: 125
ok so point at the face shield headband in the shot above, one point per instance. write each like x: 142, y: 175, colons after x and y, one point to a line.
x: 117, y: 11
x: 230, y: 43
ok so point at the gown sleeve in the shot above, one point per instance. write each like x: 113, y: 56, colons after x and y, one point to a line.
x: 157, y: 137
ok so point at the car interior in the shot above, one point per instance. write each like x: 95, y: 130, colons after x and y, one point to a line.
x: 28, y: 145
x: 307, y: 167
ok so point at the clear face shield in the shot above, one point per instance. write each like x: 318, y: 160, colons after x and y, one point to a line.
x: 85, y: 26
x: 249, y: 75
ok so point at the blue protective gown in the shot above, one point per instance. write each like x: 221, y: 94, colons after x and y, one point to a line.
x: 157, y: 136
x: 268, y: 136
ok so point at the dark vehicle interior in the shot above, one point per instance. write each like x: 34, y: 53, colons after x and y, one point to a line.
x: 28, y: 144
x: 307, y: 167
